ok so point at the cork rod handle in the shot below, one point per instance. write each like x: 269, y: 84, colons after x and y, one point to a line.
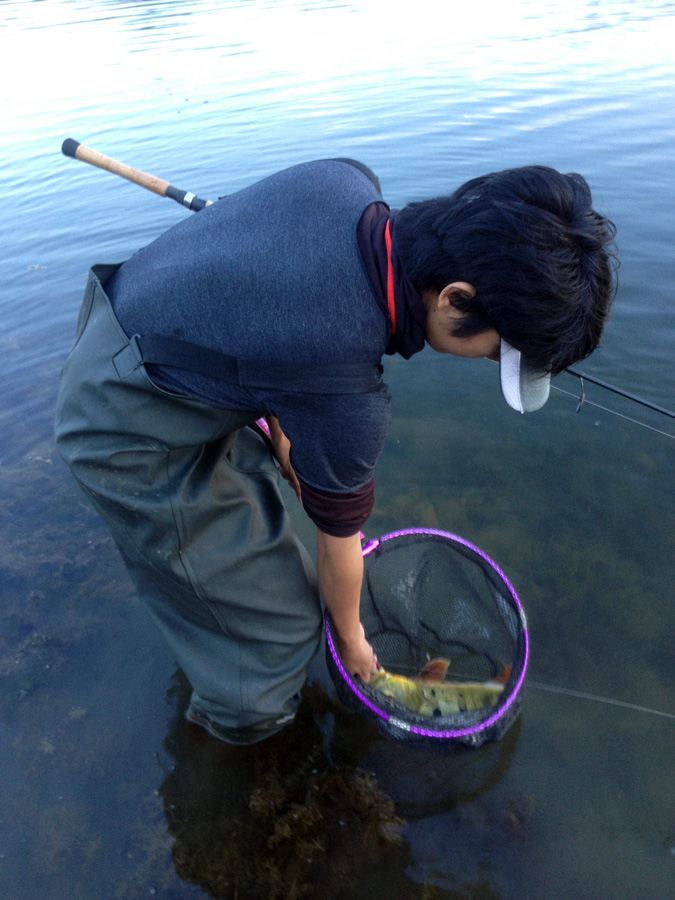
x: 76, y: 150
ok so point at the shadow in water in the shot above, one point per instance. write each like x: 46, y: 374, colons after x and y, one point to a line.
x: 309, y: 813
x: 421, y: 781
x: 273, y: 819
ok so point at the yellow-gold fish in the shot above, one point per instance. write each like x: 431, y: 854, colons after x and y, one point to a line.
x: 430, y: 695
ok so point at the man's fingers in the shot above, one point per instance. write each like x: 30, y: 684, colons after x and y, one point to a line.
x: 292, y: 479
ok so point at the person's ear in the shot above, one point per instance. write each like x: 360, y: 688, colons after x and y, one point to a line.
x: 454, y: 291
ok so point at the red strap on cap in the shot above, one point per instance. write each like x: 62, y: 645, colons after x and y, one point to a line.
x: 390, y: 280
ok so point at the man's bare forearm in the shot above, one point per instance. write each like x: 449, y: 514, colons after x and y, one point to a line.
x: 340, y: 568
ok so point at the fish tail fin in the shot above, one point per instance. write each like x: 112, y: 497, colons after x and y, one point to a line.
x: 434, y: 672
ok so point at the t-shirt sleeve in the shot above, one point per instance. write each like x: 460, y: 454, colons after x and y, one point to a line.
x: 336, y: 442
x: 340, y: 515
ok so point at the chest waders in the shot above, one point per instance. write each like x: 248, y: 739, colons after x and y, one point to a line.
x: 191, y: 498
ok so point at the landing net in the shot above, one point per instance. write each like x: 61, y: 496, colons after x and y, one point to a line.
x: 430, y: 595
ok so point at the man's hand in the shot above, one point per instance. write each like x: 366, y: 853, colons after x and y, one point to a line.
x: 282, y: 451
x: 358, y: 656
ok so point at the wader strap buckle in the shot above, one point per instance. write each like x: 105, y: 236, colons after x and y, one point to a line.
x: 128, y: 359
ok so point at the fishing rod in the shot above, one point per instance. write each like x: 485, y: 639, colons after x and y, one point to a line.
x: 582, y: 376
x: 150, y: 182
x: 75, y: 150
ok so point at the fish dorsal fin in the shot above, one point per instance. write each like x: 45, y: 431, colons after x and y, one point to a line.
x: 504, y: 676
x: 434, y: 672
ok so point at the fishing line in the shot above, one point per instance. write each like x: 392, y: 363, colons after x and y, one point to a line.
x: 583, y: 402
x: 568, y: 692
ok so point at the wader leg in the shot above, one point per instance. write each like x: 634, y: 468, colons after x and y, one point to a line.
x: 192, y: 501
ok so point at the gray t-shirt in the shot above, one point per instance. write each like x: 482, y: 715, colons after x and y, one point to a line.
x: 273, y: 274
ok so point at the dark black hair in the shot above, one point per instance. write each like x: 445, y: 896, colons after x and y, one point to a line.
x: 540, y: 258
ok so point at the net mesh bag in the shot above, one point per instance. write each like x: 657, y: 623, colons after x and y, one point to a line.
x: 431, y: 595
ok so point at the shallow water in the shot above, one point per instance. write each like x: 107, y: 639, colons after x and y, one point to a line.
x: 104, y: 793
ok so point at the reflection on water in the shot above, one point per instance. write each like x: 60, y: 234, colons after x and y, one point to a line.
x: 104, y: 791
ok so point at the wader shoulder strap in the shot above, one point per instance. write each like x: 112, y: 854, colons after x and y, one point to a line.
x: 338, y: 378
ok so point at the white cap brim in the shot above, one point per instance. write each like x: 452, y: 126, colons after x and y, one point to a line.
x: 525, y: 388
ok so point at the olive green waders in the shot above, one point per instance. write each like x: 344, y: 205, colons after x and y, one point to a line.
x: 191, y: 498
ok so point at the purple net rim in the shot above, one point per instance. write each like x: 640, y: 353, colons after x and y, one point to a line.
x: 427, y: 732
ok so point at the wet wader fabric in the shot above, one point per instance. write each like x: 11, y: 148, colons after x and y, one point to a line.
x: 191, y: 498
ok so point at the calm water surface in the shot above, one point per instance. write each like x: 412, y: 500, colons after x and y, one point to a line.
x: 103, y: 791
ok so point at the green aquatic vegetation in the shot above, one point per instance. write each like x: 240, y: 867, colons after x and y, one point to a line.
x: 48, y: 542
x: 148, y: 856
x: 66, y: 838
